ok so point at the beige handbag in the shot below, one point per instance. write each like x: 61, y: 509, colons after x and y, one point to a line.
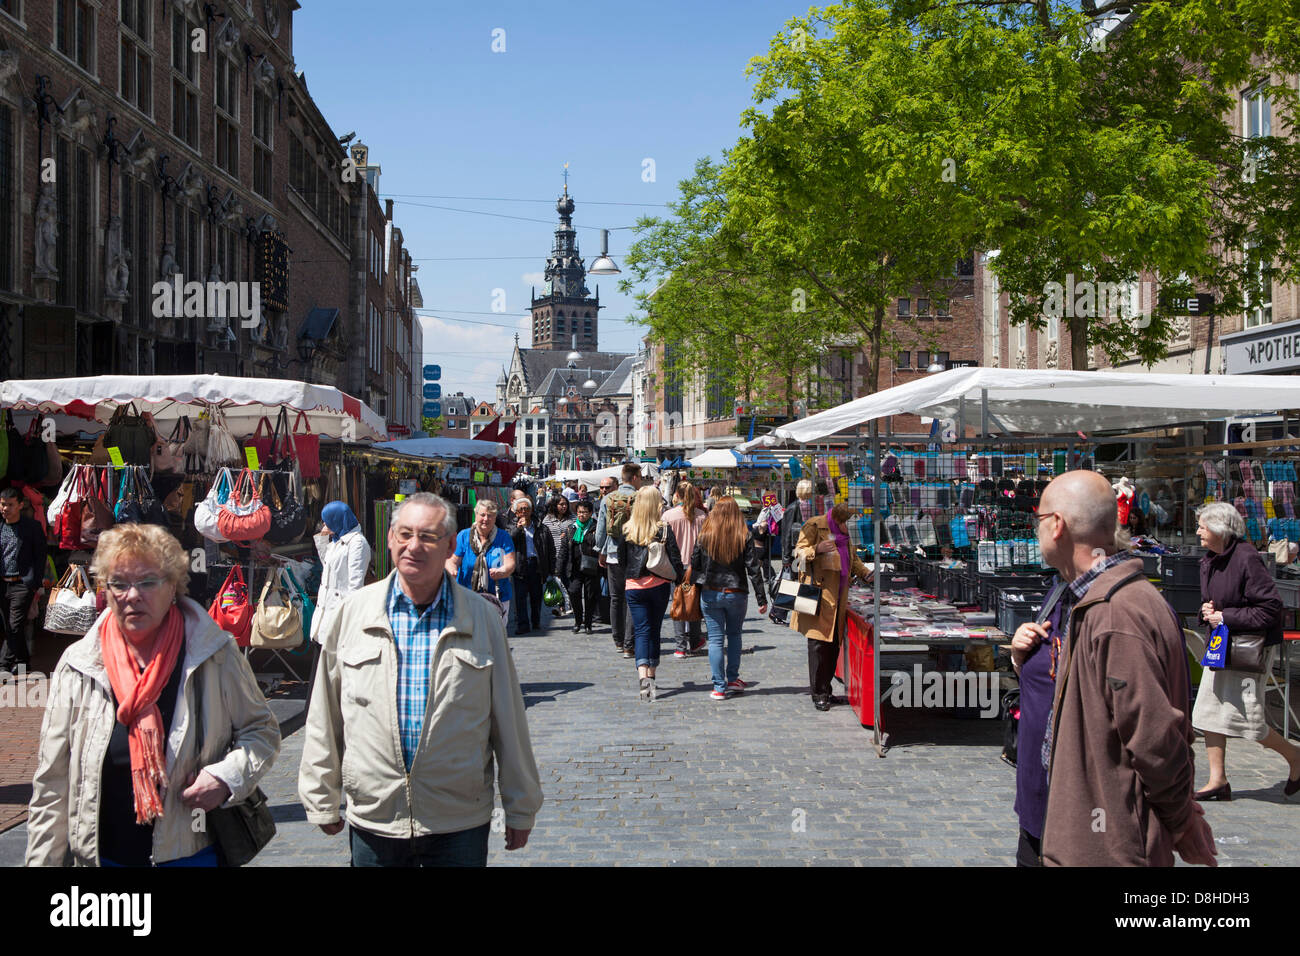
x: 277, y: 622
x: 1281, y: 551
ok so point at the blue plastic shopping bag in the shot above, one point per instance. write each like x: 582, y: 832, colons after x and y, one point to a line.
x: 1216, y: 649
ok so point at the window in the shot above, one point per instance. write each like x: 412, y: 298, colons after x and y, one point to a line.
x: 528, y: 440
x: 1256, y: 122
x: 1054, y: 328
x: 995, y: 307
x: 941, y: 308
x: 1259, y: 290
x: 904, y: 306
x: 7, y: 198
x: 74, y: 211
x: 263, y: 123
x: 135, y: 68
x: 12, y: 7
x: 226, y: 95
x: 923, y: 308
x: 1022, y: 337
x: 185, y: 81
x: 74, y: 32
x: 941, y: 358
x: 922, y: 360
x: 137, y: 234
x: 904, y: 360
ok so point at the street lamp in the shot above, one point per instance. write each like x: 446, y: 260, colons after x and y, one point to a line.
x: 604, y: 265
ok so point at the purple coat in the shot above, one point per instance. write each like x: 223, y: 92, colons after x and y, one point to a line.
x: 1237, y: 583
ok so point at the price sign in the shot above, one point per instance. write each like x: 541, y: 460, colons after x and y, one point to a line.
x: 115, y: 456
x: 250, y: 453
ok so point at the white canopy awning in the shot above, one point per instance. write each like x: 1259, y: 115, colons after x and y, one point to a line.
x: 592, y: 478
x: 1048, y: 402
x: 243, y: 400
x: 714, y: 458
x: 447, y: 448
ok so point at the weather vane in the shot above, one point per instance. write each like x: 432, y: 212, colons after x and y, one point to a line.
x: 566, y: 179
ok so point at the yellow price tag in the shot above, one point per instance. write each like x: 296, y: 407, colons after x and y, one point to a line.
x: 251, y: 454
x: 115, y: 456
x: 399, y: 497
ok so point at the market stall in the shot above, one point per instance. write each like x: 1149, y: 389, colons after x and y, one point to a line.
x: 236, y: 468
x: 1028, y: 410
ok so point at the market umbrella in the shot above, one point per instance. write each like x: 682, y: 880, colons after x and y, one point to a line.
x: 328, y: 411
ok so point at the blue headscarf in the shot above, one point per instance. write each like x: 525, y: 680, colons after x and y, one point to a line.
x: 338, y: 517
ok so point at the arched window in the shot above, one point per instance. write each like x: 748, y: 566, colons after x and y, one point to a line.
x: 559, y: 322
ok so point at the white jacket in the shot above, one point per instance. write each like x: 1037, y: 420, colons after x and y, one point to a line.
x: 474, y: 717
x: 241, y: 740
x: 344, y: 563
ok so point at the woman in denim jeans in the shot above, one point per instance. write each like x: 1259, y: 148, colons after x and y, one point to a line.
x: 686, y: 520
x: 724, y: 554
x: 647, y: 590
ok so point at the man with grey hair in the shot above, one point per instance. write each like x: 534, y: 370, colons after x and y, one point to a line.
x: 422, y: 656
x: 1118, y: 743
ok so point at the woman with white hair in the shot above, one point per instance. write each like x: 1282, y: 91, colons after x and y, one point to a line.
x: 1237, y: 591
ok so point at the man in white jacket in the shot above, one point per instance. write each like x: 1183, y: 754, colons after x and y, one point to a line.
x: 416, y: 698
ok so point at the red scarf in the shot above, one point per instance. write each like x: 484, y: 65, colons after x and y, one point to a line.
x: 137, y: 708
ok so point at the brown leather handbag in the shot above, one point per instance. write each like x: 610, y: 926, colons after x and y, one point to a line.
x: 686, y: 601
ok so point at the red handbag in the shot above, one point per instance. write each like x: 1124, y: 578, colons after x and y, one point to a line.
x: 248, y: 521
x: 307, y: 445
x: 263, y: 443
x: 231, y: 608
x: 96, y: 512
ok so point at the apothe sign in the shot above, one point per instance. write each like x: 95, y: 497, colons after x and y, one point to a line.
x: 1263, y: 350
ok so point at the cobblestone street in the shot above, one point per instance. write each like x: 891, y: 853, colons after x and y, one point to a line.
x: 761, y: 779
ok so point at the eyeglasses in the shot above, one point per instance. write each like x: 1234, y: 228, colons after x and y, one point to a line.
x: 146, y: 586
x: 1040, y: 515
x: 427, y: 538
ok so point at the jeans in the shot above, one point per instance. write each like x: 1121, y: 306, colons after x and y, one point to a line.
x: 646, y: 607
x: 725, y: 615
x: 688, y: 633
x: 462, y: 848
x: 618, y: 616
x: 528, y: 596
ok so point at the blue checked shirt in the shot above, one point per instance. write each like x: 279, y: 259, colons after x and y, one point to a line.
x: 415, y: 635
x: 1071, y: 596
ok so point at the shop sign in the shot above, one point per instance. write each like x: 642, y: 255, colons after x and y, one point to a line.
x: 458, y: 474
x: 1264, y: 353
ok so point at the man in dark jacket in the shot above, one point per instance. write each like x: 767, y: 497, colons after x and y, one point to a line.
x: 578, y: 548
x: 1119, y: 739
x: 534, y: 563
x: 22, y: 563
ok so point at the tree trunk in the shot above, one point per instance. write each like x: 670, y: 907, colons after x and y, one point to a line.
x: 1079, y: 343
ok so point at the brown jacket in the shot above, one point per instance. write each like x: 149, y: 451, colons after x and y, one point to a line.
x: 1120, y: 777
x: 823, y: 571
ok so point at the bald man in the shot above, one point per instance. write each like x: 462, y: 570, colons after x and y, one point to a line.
x: 1118, y: 747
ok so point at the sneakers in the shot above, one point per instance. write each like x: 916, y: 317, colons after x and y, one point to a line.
x: 717, y: 695
x: 654, y: 689
x: 645, y: 688
x: 700, y: 648
x: 736, y: 686
x: 680, y: 654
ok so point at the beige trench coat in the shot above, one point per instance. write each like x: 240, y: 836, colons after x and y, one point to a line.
x: 823, y: 570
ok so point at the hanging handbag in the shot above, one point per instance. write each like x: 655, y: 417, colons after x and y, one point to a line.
x: 127, y: 509
x: 264, y: 443
x: 55, y: 509
x: 222, y: 447
x: 168, y: 455
x: 288, y: 516
x: 306, y: 606
x: 230, y: 608
x: 131, y: 434
x: 307, y: 447
x: 36, y: 463
x: 1246, y: 651
x: 67, y: 529
x: 656, y: 558
x: 151, y: 506
x: 686, y: 602
x: 277, y: 623
x: 71, y: 609
x: 241, y: 520
x: 206, y: 511
x: 96, y: 514
x: 195, y: 445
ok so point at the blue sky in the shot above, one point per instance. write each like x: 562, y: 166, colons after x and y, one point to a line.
x: 602, y: 86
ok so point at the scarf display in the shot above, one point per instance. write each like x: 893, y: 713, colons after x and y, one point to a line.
x: 137, y: 694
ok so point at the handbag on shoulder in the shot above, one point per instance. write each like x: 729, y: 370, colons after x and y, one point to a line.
x: 656, y: 558
x: 686, y: 602
x: 241, y: 831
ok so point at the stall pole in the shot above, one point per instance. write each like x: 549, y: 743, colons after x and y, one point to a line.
x: 984, y: 413
x: 879, y: 740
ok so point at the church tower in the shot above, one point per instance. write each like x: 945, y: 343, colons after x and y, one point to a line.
x: 565, y: 314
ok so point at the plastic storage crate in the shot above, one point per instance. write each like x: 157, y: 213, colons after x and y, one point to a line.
x: 1018, y: 607
x: 1184, y: 599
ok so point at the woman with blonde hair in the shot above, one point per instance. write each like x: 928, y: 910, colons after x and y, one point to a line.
x: 686, y: 520
x: 723, y: 555
x: 645, y: 537
x: 153, y: 719
x: 829, y: 562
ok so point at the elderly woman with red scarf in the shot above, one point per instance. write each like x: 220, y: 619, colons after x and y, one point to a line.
x: 829, y: 563
x: 152, y: 720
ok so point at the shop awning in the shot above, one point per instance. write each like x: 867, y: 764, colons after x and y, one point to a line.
x: 648, y: 468
x: 447, y: 448
x: 714, y: 458
x: 244, y: 400
x: 1048, y: 402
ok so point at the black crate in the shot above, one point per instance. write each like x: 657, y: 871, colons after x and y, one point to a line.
x: 1184, y: 599
x: 1289, y: 592
x: 1150, y: 565
x: 1012, y: 613
x: 1180, y: 570
x: 898, y: 582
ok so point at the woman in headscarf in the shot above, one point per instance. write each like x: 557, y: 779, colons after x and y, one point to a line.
x: 345, y: 556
